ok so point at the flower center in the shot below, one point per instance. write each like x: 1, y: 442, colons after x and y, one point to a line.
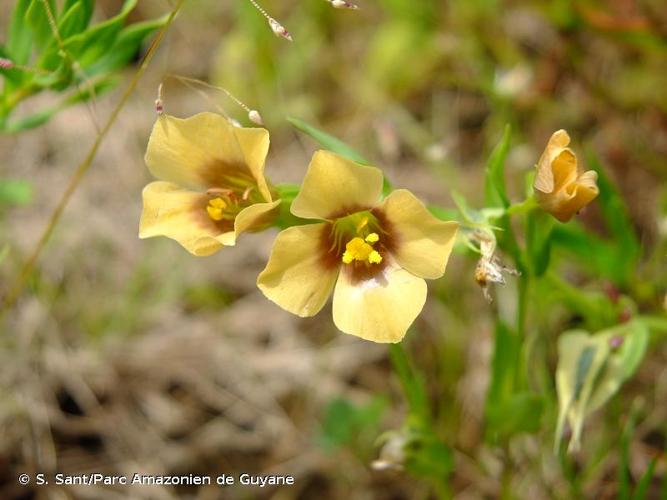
x: 362, y: 250
x: 360, y: 232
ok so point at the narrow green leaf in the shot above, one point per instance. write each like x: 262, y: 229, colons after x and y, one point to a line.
x: 328, y: 141
x: 641, y: 492
x: 335, y: 145
x: 73, y: 21
x: 81, y: 95
x: 494, y: 183
x: 595, y: 256
x: 126, y: 46
x: 89, y: 46
x: 87, y: 6
x: 504, y: 367
x: 617, y: 221
x: 31, y: 121
x: 37, y: 19
x: 412, y: 383
x: 509, y: 408
x: 19, y: 40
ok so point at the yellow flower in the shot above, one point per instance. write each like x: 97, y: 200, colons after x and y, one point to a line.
x: 372, y: 255
x: 559, y: 187
x: 211, y: 186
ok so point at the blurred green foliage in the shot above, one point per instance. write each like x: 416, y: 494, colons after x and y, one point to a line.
x: 59, y: 50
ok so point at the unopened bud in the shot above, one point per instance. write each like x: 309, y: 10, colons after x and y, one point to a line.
x: 159, y: 105
x: 255, y: 117
x: 279, y: 29
x: 341, y: 4
x: 6, y: 63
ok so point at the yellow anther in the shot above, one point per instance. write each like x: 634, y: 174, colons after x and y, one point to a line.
x: 216, y: 208
x: 358, y: 249
x: 218, y: 203
x: 372, y: 238
x: 374, y: 257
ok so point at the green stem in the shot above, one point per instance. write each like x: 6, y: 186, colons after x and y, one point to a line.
x: 527, y: 205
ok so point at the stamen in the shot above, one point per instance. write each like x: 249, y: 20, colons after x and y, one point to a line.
x: 374, y: 257
x: 359, y: 250
x: 216, y: 208
x: 362, y: 224
x: 372, y: 238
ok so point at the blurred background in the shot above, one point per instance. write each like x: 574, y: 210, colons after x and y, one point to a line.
x: 128, y: 356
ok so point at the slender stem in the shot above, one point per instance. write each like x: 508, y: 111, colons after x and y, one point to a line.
x: 84, y: 166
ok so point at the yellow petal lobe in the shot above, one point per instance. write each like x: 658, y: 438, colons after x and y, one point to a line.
x: 380, y: 309
x: 423, y: 242
x: 335, y: 185
x: 295, y: 276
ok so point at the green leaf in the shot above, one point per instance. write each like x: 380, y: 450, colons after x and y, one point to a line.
x: 504, y: 367
x: 19, y: 40
x: 15, y: 192
x: 126, y: 46
x: 590, y: 371
x: 596, y: 256
x: 88, y: 47
x: 328, y: 141
x: 344, y: 422
x: 494, y: 183
x: 31, y: 121
x: 427, y: 456
x: 37, y: 19
x: 641, y: 492
x: 73, y: 21
x: 521, y: 412
x: 509, y: 409
x: 83, y: 94
x: 617, y: 221
x: 87, y: 7
x: 335, y: 145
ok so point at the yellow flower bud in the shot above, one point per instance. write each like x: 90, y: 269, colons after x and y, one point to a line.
x: 559, y: 187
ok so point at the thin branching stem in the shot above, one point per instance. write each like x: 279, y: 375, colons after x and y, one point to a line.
x: 84, y: 166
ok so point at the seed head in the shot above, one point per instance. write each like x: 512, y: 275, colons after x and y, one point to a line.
x: 255, y: 117
x: 279, y: 29
x: 6, y: 63
x: 342, y: 4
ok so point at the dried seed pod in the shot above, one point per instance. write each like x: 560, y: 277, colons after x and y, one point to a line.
x: 279, y: 29
x: 255, y: 117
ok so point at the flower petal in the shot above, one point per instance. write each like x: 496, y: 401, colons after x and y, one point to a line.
x: 380, y: 309
x: 254, y: 143
x: 423, y: 243
x: 254, y: 217
x: 565, y: 203
x: 179, y: 214
x: 552, y: 171
x: 297, y: 278
x: 201, y: 151
x: 335, y: 186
